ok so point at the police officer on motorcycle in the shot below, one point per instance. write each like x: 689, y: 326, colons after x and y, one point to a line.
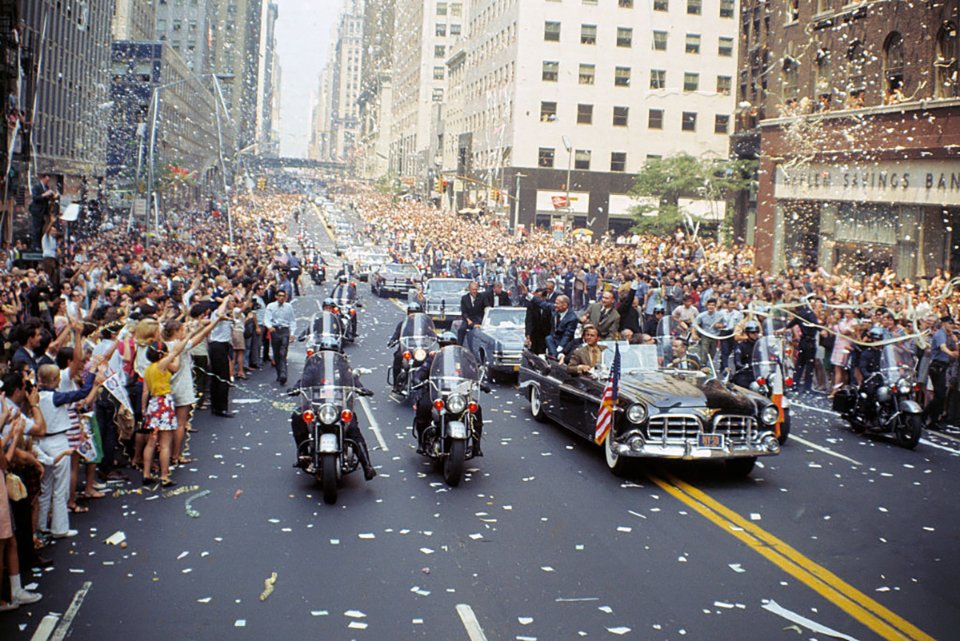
x: 743, y: 355
x: 301, y: 432
x: 867, y: 365
x: 413, y: 307
x: 424, y: 408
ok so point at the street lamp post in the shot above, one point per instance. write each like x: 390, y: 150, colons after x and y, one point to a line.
x: 516, y: 203
x: 569, y: 147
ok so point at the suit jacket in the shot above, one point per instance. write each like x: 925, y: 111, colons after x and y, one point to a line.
x: 629, y: 317
x: 581, y: 356
x: 562, y: 329
x: 488, y: 296
x: 472, y: 310
x: 609, y: 325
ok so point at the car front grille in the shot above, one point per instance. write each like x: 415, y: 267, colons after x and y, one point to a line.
x: 737, y: 428
x: 672, y: 428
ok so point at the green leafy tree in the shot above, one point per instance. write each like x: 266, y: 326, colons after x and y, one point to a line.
x: 682, y: 176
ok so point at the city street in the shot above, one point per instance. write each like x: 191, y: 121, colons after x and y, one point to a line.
x: 541, y: 541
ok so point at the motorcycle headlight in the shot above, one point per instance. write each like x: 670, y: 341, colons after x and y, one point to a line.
x: 770, y: 414
x: 456, y: 403
x: 328, y: 414
x: 637, y: 413
x: 420, y: 354
x: 904, y: 387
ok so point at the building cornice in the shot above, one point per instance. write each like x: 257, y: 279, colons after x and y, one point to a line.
x: 899, y: 108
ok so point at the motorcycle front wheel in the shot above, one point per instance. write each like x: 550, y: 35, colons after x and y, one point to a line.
x: 328, y: 474
x: 909, y: 428
x: 453, y: 464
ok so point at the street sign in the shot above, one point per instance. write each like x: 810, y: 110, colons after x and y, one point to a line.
x: 140, y: 207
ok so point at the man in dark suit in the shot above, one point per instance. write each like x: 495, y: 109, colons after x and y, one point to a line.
x: 604, y: 315
x: 41, y: 195
x: 496, y: 297
x: 471, y: 311
x: 563, y: 322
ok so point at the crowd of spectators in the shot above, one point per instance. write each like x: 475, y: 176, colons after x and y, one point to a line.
x: 109, y: 347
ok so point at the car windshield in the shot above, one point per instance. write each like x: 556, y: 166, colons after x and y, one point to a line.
x: 405, y: 269
x: 504, y: 318
x: 440, y: 287
x: 767, y: 356
x: 632, y: 357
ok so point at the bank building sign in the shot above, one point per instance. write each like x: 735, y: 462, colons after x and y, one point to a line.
x: 919, y: 183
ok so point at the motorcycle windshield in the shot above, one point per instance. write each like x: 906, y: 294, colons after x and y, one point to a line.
x: 772, y: 324
x: 418, y: 332
x: 324, y: 328
x: 327, y: 378
x: 767, y: 356
x: 898, y: 361
x: 345, y: 294
x: 454, y: 369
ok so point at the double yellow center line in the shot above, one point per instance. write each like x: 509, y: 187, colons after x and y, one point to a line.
x: 861, y: 607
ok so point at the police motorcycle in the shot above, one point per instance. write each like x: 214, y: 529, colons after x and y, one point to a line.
x: 885, y: 402
x: 418, y: 339
x: 329, y: 444
x: 770, y: 379
x: 345, y: 299
x: 452, y: 389
x: 318, y: 269
x: 324, y: 333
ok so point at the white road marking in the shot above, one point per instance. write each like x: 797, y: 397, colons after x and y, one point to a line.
x: 469, y: 619
x: 374, y: 426
x: 45, y: 629
x: 64, y: 628
x: 825, y: 450
x: 815, y: 409
x: 938, y: 446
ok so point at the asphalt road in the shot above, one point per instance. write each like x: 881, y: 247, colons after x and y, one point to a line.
x: 539, y: 542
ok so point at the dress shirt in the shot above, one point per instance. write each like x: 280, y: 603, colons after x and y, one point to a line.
x: 280, y: 316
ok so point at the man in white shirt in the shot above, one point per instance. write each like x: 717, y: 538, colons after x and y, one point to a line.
x: 281, y: 320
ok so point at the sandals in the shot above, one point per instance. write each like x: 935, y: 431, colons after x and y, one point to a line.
x: 78, y: 509
x: 93, y: 494
x: 183, y: 460
x: 167, y: 483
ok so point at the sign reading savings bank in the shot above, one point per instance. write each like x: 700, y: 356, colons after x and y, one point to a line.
x: 918, y: 183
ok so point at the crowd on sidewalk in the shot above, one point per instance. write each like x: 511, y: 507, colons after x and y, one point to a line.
x: 705, y: 286
x: 108, y: 350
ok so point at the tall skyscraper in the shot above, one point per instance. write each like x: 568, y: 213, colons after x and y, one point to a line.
x: 375, y: 103
x: 186, y: 26
x: 134, y: 20
x: 268, y: 89
x: 235, y: 57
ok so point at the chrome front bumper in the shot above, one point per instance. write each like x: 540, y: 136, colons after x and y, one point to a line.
x: 634, y: 445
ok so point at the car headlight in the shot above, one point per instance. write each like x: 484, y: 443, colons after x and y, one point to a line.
x: 420, y: 354
x: 456, y: 403
x: 328, y: 414
x: 770, y: 414
x: 637, y: 413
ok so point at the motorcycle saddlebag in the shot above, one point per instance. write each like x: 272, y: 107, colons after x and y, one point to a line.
x: 845, y: 399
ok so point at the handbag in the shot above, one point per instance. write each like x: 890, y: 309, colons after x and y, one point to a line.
x: 16, y: 490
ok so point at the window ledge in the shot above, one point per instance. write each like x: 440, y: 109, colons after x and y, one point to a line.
x: 915, y: 105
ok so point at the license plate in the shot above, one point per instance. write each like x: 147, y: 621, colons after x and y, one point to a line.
x: 710, y: 441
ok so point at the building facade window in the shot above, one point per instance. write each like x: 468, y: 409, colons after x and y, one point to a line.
x: 724, y: 85
x: 946, y: 66
x: 439, y: 51
x: 721, y: 124
x: 551, y: 32
x: 658, y: 79
x: 625, y: 4
x: 441, y: 30
x: 727, y: 8
x: 618, y: 161
x: 791, y: 78
x: 624, y: 37
x: 655, y: 119
x: 545, y: 157
x: 438, y: 73
x: 621, y: 77
x: 659, y: 40
x: 621, y: 116
x: 689, y: 121
x: 587, y: 74
x: 588, y: 34
x: 691, y: 81
x: 856, y: 80
x: 893, y: 66
x: 584, y: 114
x: 548, y: 111
x: 693, y: 43
x: 581, y: 159
x: 661, y: 5
x: 793, y: 11
x: 694, y: 7
x: 725, y: 47
x: 551, y: 71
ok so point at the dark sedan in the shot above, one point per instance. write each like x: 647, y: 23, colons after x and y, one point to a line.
x: 395, y: 278
x: 498, y: 341
x: 661, y: 413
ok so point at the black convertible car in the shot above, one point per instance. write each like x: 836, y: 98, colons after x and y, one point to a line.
x: 665, y: 413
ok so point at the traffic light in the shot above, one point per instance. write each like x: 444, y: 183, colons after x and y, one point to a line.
x: 439, y: 186
x: 262, y: 183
